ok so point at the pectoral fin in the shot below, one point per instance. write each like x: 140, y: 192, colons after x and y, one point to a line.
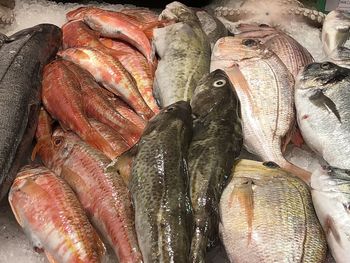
x: 330, y: 228
x: 320, y: 100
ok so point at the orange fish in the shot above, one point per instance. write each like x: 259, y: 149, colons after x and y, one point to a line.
x: 111, y: 74
x: 51, y: 215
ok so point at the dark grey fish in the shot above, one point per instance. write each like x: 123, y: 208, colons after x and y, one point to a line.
x: 159, y: 186
x: 217, y: 141
x: 22, y: 58
x: 3, y: 39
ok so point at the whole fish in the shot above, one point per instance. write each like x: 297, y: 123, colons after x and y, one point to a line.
x: 293, y: 55
x: 138, y: 67
x: 322, y: 101
x: 111, y: 74
x: 102, y: 193
x: 335, y: 30
x: 217, y: 141
x: 265, y: 88
x: 52, y: 217
x: 115, y: 25
x: 159, y: 186
x: 184, y: 50
x: 340, y: 56
x: 330, y: 188
x: 267, y: 216
x: 23, y: 57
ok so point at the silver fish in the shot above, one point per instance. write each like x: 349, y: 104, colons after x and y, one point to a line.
x: 340, y: 56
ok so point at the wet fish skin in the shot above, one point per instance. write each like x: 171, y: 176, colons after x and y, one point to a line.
x: 267, y: 216
x: 57, y: 222
x: 111, y: 74
x: 340, y: 56
x: 20, y: 94
x: 330, y: 187
x: 102, y: 193
x: 184, y: 50
x: 321, y: 99
x: 335, y: 30
x: 159, y: 186
x: 217, y: 141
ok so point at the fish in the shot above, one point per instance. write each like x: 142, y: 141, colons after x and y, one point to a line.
x: 26, y: 52
x: 265, y: 89
x: 321, y: 99
x: 184, y: 50
x: 340, y: 56
x: 335, y: 30
x: 160, y: 188
x: 216, y: 142
x: 52, y: 217
x: 138, y: 67
x: 115, y: 25
x: 330, y: 195
x: 3, y: 39
x: 293, y: 55
x: 101, y: 191
x: 111, y: 74
x: 61, y: 95
x: 267, y: 216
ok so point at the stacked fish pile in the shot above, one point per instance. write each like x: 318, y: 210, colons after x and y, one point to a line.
x: 142, y: 122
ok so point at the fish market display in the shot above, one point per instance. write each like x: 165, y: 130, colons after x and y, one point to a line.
x: 265, y: 88
x: 159, y: 186
x: 184, y: 50
x: 267, y: 216
x: 335, y: 31
x: 23, y: 55
x: 56, y: 223
x: 217, y: 141
x: 102, y: 193
x: 330, y: 195
x: 322, y: 101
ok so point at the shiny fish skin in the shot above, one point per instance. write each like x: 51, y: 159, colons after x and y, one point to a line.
x: 56, y: 222
x: 267, y: 216
x: 100, y: 190
x: 217, y: 141
x: 111, y: 74
x: 330, y: 189
x: 159, y: 186
x: 184, y: 50
x: 322, y: 100
x: 26, y: 52
x: 340, y: 56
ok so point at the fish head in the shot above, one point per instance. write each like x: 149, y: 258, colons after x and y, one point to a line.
x: 79, y: 13
x: 75, y: 54
x: 178, y: 12
x: 330, y: 188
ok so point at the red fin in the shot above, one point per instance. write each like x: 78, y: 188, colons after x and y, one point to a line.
x: 41, y: 143
x: 50, y: 258
x: 297, y: 138
x: 297, y: 171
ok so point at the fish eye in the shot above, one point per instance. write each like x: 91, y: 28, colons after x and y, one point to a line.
x: 326, y: 65
x: 57, y: 141
x: 249, y: 42
x: 271, y: 164
x: 171, y: 108
x: 347, y: 207
x: 264, y: 25
x: 219, y: 83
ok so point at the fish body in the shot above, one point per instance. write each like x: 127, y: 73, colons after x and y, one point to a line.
x: 267, y: 216
x: 216, y: 142
x: 184, y: 50
x: 23, y: 56
x: 111, y: 74
x: 56, y: 222
x: 340, y: 56
x: 159, y: 186
x: 335, y: 30
x: 330, y: 188
x: 322, y: 101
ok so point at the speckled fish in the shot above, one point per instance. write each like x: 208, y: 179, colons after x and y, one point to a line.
x: 330, y: 189
x: 267, y: 216
x: 52, y: 217
x: 23, y: 57
x: 340, y: 56
x: 111, y: 74
x: 102, y: 193
x: 184, y: 50
x: 115, y: 25
x: 217, y: 141
x: 322, y: 100
x: 335, y: 30
x: 138, y: 67
x: 265, y: 88
x: 159, y: 186
x: 293, y: 55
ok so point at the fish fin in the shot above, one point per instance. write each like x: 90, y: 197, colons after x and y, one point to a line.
x: 95, y: 139
x: 319, y: 99
x: 331, y: 228
x: 297, y: 171
x: 50, y: 258
x: 148, y: 28
x: 297, y: 138
x: 16, y: 214
x: 40, y: 144
x: 64, y: 127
